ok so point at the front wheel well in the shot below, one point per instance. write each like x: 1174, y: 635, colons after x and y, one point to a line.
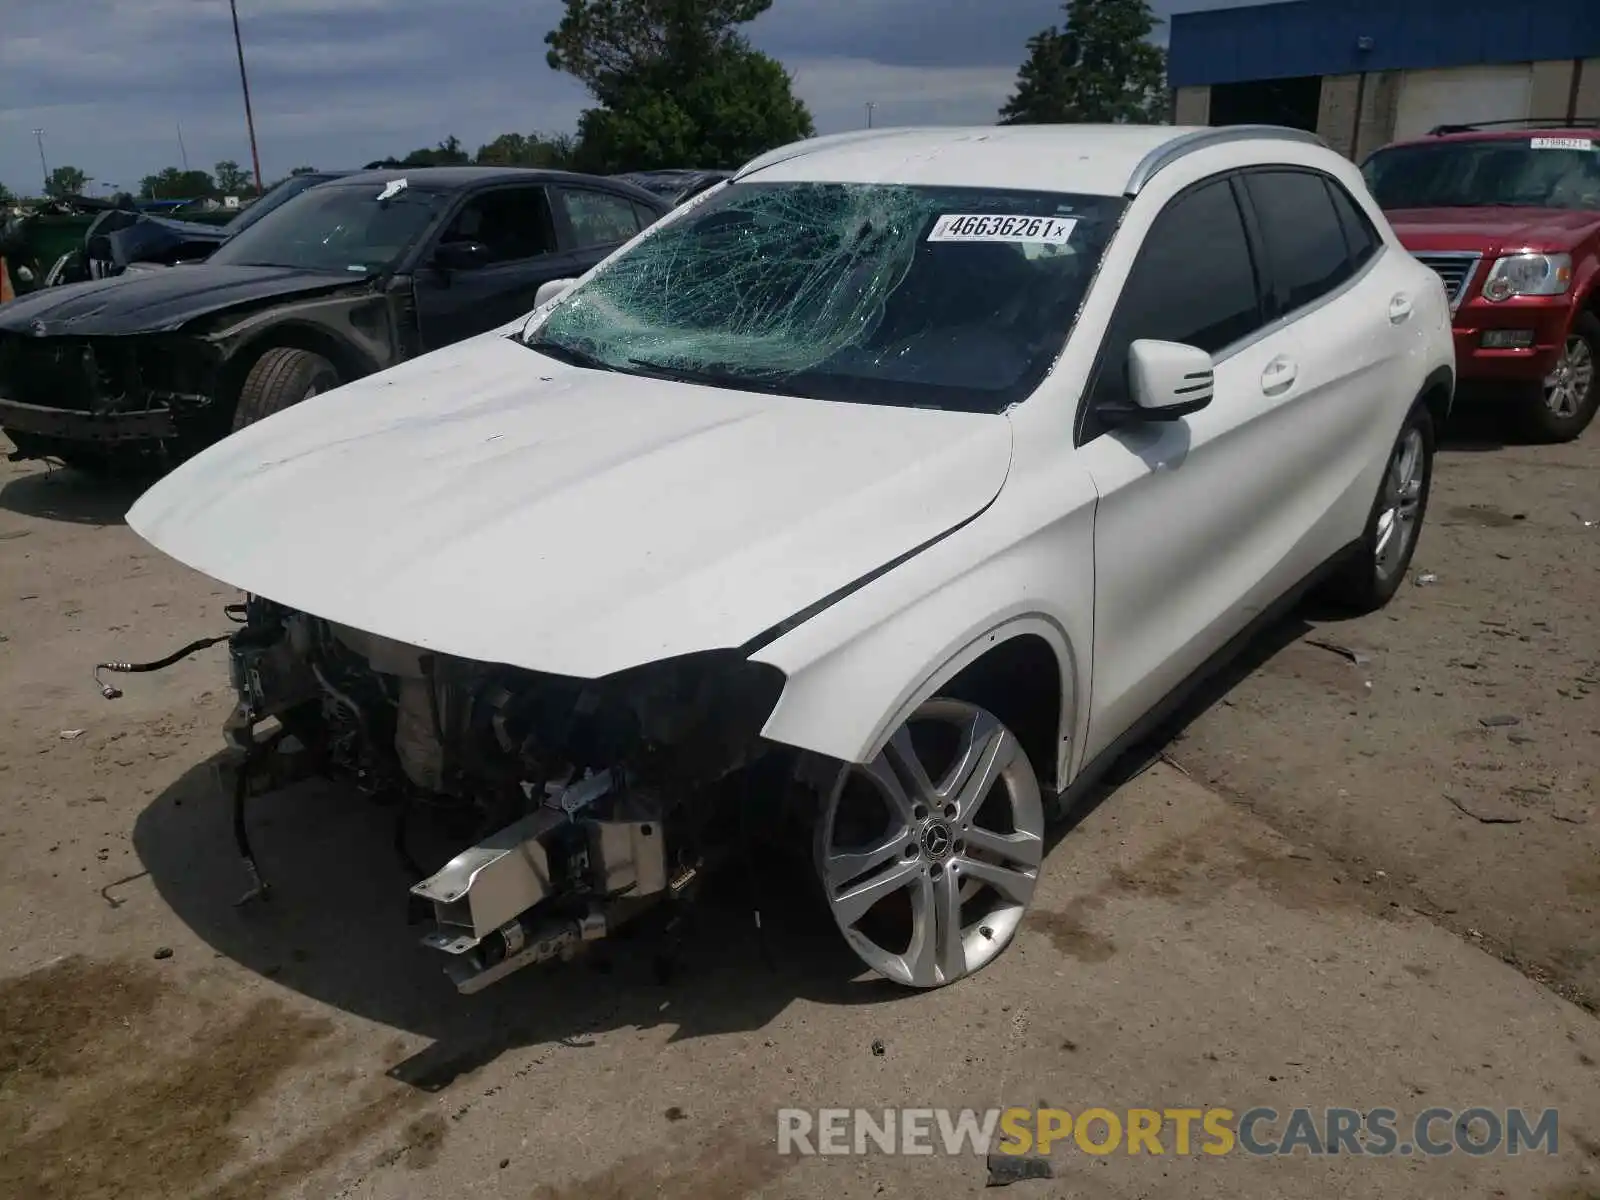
x: 1019, y: 681
x: 345, y: 360
x: 1437, y: 394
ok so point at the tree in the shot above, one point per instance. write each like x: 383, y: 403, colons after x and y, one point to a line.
x: 65, y: 181
x: 232, y: 180
x: 303, y: 171
x: 7, y: 196
x: 530, y: 150
x: 172, y: 184
x: 1099, y: 67
x: 677, y: 84
x: 606, y: 43
x: 741, y: 106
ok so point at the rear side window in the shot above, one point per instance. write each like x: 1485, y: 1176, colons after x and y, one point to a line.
x: 1194, y: 282
x: 1303, y: 241
x: 1360, y: 237
x: 598, y: 218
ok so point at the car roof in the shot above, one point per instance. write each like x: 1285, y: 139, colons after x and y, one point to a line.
x: 1087, y: 159
x: 450, y: 179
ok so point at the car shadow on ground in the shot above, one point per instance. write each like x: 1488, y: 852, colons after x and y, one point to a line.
x: 1478, y: 429
x: 335, y: 929
x: 73, y: 496
x: 1256, y: 653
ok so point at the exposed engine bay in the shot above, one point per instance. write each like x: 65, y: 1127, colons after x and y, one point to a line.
x: 584, y: 803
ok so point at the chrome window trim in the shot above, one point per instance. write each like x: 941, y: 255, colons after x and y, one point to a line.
x: 1168, y: 153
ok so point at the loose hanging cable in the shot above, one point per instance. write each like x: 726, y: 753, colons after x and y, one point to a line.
x: 111, y: 692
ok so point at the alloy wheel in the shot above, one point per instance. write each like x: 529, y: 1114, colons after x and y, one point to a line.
x: 1401, y: 504
x: 929, y: 854
x: 1567, y: 387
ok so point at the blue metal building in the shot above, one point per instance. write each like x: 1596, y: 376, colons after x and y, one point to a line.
x: 1366, y: 71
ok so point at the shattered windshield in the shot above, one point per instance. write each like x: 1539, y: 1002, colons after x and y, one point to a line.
x: 941, y: 297
x: 1532, y: 172
x: 359, y: 228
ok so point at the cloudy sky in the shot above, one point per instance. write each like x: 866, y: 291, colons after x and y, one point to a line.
x: 337, y: 83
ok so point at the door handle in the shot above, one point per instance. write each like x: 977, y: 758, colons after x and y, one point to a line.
x: 1279, y: 376
x: 1399, y: 308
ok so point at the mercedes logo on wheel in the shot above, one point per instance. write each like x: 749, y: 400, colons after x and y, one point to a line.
x: 937, y: 839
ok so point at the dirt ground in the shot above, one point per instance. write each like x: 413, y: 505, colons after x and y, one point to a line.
x: 1367, y: 873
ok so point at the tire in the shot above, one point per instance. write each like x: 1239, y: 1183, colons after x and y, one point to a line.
x: 928, y: 856
x: 280, y: 378
x: 1561, y: 407
x: 1369, y: 580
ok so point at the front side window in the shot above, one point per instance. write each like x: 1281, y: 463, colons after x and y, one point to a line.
x: 1537, y: 171
x: 513, y: 223
x: 1194, y: 282
x: 358, y: 228
x: 598, y: 218
x: 1306, y: 254
x: 874, y: 293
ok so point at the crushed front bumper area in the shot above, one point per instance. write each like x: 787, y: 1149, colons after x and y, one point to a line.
x: 33, y: 427
x: 489, y: 900
x: 65, y: 395
x: 586, y: 803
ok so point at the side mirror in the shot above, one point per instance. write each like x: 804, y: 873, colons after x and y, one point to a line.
x: 553, y: 290
x: 1168, y: 380
x: 461, y: 256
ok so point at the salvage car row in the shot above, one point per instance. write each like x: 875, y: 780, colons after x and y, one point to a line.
x: 883, y: 494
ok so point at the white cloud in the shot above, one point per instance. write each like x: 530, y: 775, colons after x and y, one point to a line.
x: 837, y: 90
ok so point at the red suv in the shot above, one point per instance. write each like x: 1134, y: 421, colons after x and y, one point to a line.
x: 1510, y: 219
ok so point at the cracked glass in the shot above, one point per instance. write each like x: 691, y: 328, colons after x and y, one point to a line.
x: 836, y: 292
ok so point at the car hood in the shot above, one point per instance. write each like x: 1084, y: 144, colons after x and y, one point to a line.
x: 488, y: 502
x: 151, y: 302
x: 1491, y: 229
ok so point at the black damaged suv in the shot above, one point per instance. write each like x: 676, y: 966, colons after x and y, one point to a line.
x: 345, y: 279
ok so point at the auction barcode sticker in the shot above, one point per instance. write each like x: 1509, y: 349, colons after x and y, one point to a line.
x: 981, y: 227
x: 1562, y: 143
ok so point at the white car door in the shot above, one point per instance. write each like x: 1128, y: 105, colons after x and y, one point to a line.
x: 1195, y: 531
x: 1350, y: 308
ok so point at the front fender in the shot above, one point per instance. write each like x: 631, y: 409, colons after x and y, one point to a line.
x: 857, y: 670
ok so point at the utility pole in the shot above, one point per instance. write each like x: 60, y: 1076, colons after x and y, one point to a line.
x: 38, y: 136
x: 871, y: 105
x: 244, y: 82
x: 183, y: 152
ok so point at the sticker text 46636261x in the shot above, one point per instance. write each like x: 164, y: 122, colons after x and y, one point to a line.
x: 981, y: 227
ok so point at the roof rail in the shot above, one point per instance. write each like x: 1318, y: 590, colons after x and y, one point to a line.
x: 1525, y: 122
x: 1168, y: 153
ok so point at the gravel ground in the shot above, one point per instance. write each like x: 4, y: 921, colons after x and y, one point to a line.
x: 1367, y: 874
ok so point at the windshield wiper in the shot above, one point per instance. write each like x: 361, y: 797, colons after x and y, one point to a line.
x: 706, y: 376
x: 570, y: 355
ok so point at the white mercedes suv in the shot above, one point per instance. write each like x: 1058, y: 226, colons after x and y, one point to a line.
x: 886, y: 491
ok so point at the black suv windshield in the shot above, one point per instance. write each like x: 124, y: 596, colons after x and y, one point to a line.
x: 1536, y: 171
x: 941, y: 297
x: 361, y: 228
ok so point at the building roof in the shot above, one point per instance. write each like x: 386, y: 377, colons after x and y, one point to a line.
x: 1086, y: 159
x: 1343, y: 37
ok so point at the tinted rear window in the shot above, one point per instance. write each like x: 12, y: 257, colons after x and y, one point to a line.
x: 1304, y: 242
